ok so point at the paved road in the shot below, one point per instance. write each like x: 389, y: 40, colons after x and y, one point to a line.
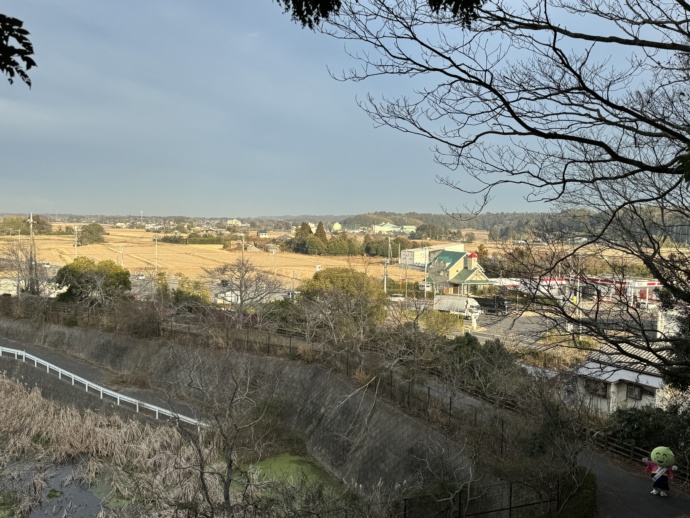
x: 623, y: 488
x: 98, y: 375
x: 623, y: 491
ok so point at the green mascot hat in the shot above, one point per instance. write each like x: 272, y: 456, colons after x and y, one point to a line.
x: 663, y: 456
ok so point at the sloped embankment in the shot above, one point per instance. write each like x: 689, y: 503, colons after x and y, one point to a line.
x: 360, y: 439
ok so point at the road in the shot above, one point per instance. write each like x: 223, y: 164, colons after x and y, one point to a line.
x: 526, y: 328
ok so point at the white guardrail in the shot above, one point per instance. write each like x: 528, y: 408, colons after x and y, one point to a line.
x: 102, y: 391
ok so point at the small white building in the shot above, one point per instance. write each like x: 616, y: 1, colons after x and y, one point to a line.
x: 607, y: 382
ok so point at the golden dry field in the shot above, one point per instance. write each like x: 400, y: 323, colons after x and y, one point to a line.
x: 136, y: 251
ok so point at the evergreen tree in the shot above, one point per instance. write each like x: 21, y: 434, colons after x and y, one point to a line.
x: 314, y: 246
x: 321, y: 233
x: 339, y: 245
x: 303, y: 232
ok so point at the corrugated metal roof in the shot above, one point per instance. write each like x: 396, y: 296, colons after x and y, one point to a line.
x: 640, y: 359
x: 611, y: 374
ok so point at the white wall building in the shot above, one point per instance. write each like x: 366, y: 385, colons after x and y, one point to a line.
x: 421, y: 256
x: 606, y: 388
x: 608, y: 380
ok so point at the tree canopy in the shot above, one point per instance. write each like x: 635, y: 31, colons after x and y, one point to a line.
x: 311, y: 12
x: 95, y: 283
x: 21, y: 224
x: 582, y: 104
x: 91, y: 233
x: 347, y: 303
x: 16, y: 50
x: 321, y: 233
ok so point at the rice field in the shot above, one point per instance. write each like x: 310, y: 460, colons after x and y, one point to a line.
x: 137, y: 251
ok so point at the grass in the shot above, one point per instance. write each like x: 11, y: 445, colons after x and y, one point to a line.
x: 284, y: 467
x: 9, y: 503
x: 127, y: 461
x: 131, y: 379
x: 54, y: 493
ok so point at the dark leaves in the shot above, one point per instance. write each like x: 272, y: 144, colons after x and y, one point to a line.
x: 466, y: 10
x: 15, y: 49
x: 310, y: 12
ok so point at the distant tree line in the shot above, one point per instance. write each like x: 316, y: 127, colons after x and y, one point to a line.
x: 193, y: 239
x: 20, y: 224
x: 317, y: 243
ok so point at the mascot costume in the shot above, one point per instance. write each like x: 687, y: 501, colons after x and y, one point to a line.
x: 660, y: 467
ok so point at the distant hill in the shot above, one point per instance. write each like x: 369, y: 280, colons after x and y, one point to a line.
x: 488, y: 221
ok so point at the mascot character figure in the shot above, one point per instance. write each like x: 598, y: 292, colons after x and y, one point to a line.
x: 660, y: 467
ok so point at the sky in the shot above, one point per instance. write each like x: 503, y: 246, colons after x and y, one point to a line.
x: 202, y: 108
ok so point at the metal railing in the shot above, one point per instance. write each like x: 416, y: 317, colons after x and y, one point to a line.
x: 101, y: 391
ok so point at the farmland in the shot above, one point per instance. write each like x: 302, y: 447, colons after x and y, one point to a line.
x: 136, y: 250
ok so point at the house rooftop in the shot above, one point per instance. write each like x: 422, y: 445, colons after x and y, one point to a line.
x: 464, y: 276
x: 640, y: 359
x: 612, y: 374
x: 449, y: 257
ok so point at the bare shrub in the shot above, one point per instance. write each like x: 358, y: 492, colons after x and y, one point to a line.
x: 307, y: 353
x: 361, y: 377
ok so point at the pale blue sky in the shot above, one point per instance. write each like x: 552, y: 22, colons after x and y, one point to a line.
x: 207, y: 108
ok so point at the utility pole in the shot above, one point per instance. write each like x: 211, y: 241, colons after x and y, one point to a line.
x: 19, y: 262
x: 76, y: 240
x: 33, y: 279
x: 242, y: 247
x: 155, y: 237
x: 426, y: 262
x: 385, y: 276
x: 405, y: 280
